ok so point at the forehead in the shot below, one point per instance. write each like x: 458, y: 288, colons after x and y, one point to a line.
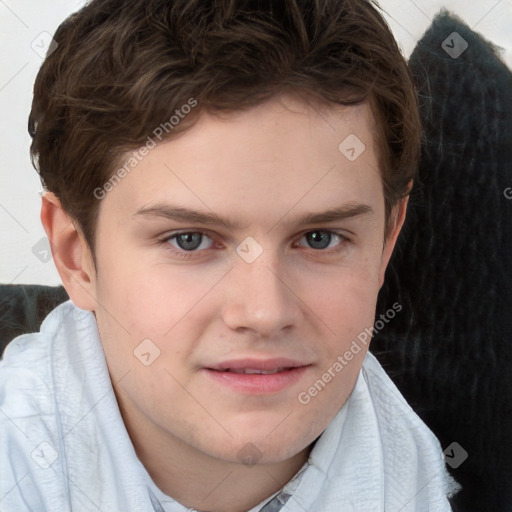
x: 284, y: 154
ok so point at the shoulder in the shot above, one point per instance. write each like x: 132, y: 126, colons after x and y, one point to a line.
x: 30, y: 436
x: 394, y: 415
x: 26, y: 365
x: 411, y: 451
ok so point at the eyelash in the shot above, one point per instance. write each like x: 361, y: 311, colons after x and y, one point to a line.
x: 182, y: 253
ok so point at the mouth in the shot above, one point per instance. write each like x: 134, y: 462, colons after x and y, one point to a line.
x: 255, y: 371
x: 257, y: 377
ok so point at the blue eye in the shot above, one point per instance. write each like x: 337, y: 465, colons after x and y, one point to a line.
x: 189, y: 241
x: 322, y: 239
x: 191, y: 244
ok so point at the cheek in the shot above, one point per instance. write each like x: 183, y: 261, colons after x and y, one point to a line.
x: 169, y: 305
x: 345, y: 298
x: 346, y: 307
x: 144, y: 297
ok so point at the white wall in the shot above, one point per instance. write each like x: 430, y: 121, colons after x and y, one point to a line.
x: 23, y: 26
x: 22, y: 22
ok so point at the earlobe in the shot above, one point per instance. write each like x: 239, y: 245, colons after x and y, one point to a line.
x: 70, y: 253
x: 397, y: 219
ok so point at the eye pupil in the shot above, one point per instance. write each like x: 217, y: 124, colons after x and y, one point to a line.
x: 189, y: 241
x: 319, y: 239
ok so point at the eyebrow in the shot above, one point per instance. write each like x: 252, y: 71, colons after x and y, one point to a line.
x: 210, y: 218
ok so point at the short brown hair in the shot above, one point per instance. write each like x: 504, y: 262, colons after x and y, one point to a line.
x: 122, y: 68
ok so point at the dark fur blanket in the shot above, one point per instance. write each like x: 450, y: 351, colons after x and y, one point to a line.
x: 450, y: 349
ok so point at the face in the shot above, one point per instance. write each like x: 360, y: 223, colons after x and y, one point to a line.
x: 253, y: 241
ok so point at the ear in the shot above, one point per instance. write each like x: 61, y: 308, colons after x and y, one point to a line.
x: 396, y: 220
x: 71, y: 253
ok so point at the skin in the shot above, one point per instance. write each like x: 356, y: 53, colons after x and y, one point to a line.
x: 262, y: 168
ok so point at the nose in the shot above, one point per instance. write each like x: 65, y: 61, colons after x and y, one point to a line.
x: 260, y: 299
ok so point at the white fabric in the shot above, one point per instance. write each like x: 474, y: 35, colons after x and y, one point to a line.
x: 64, y: 446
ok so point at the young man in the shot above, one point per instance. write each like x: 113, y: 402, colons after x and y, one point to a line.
x: 225, y: 184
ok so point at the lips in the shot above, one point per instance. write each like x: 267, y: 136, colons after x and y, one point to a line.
x: 252, y: 365
x: 257, y: 376
x: 250, y: 371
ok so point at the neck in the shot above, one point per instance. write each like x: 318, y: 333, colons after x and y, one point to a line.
x: 200, y: 481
